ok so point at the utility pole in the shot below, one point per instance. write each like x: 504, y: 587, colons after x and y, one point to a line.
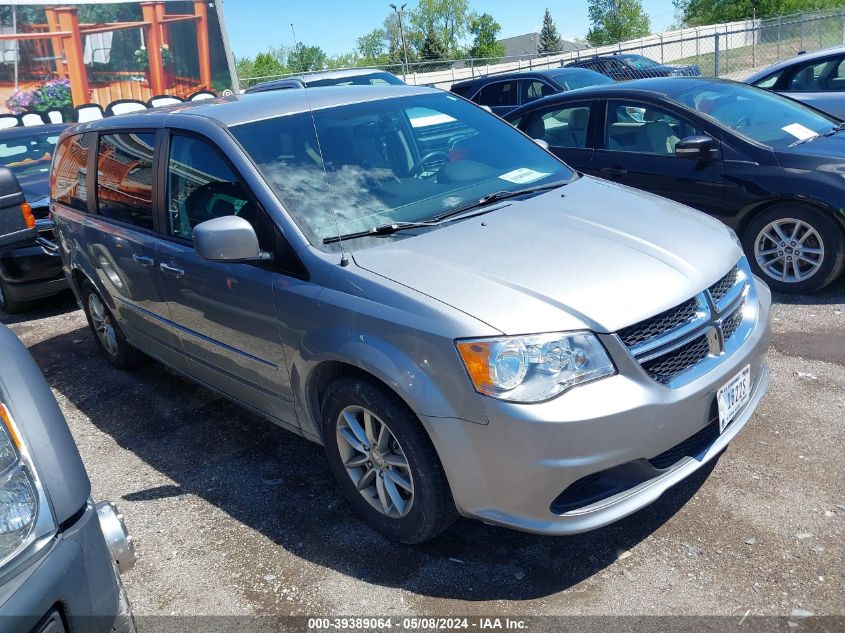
x: 399, y: 11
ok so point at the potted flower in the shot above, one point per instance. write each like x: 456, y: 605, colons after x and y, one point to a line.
x: 53, y: 95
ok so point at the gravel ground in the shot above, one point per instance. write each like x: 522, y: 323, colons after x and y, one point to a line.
x: 235, y: 516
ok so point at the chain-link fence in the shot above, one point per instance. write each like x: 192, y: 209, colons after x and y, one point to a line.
x: 734, y: 50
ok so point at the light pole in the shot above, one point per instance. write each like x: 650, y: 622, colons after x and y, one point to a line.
x: 399, y: 11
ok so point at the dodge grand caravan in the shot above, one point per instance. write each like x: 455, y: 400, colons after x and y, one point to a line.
x: 465, y: 324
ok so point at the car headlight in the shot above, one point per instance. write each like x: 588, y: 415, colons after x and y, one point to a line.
x: 25, y: 515
x: 534, y: 368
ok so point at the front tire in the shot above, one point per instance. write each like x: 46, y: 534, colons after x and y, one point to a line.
x: 107, y: 332
x: 795, y: 248
x: 385, y: 462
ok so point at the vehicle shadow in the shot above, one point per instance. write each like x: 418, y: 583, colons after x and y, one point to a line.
x: 245, y: 466
x: 61, y: 303
x: 830, y: 295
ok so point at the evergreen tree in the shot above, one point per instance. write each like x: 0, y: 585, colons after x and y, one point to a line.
x: 549, y: 37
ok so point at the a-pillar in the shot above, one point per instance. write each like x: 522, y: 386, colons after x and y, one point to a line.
x: 150, y: 13
x: 72, y: 45
x: 203, y: 50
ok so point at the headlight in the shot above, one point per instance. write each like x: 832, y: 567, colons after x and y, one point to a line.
x: 24, y: 512
x: 534, y: 368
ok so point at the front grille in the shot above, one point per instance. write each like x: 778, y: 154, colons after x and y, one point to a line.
x: 659, y: 325
x: 731, y: 324
x: 724, y: 285
x: 693, y: 446
x: 664, y: 368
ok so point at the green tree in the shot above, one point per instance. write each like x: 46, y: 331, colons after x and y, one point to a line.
x: 303, y: 58
x: 616, y: 21
x: 373, y: 46
x: 549, y: 37
x: 701, y: 12
x: 484, y: 30
x: 448, y: 19
x: 266, y: 65
x: 434, y: 51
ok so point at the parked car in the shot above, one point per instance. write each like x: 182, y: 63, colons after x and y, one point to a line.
x: 32, y: 269
x: 622, y: 67
x: 765, y: 165
x: 60, y: 553
x: 352, y: 77
x: 817, y: 79
x: 462, y: 321
x: 506, y: 92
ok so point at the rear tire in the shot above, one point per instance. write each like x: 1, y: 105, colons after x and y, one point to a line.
x: 107, y: 332
x: 795, y: 248
x: 405, y: 495
x: 7, y: 304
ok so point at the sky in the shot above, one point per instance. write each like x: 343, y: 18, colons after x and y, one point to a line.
x: 334, y: 25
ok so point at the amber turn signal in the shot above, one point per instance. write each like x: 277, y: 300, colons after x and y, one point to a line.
x: 27, y: 215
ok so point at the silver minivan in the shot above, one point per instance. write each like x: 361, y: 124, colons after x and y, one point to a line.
x: 467, y: 325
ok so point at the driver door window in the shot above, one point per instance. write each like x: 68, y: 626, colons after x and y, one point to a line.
x: 201, y: 186
x: 631, y: 127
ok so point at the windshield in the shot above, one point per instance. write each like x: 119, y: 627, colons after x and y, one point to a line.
x: 28, y: 154
x: 372, y: 79
x: 405, y: 159
x: 639, y: 62
x: 759, y: 115
x: 574, y: 79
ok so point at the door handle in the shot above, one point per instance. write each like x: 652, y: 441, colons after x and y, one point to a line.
x: 171, y: 270
x: 143, y: 260
x: 613, y: 171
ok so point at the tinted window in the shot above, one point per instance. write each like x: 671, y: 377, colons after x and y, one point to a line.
x: 533, y: 89
x: 68, y: 179
x: 499, y: 94
x: 648, y: 130
x: 201, y: 186
x: 769, y: 81
x: 760, y: 115
x: 821, y: 76
x: 574, y: 79
x: 639, y: 62
x: 125, y: 178
x: 390, y: 160
x: 561, y: 127
x: 375, y: 79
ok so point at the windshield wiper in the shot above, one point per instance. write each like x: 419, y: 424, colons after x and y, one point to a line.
x: 497, y: 196
x: 839, y: 127
x: 437, y: 220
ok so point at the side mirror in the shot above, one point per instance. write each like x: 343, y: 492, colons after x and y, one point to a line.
x: 228, y: 239
x: 17, y: 224
x: 542, y: 143
x: 696, y: 147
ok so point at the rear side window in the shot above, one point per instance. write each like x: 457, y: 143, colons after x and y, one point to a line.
x: 502, y: 93
x: 69, y: 176
x: 533, y: 89
x: 125, y: 178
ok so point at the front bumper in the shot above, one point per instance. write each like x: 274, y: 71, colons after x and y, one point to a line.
x: 75, y: 573
x: 511, y: 471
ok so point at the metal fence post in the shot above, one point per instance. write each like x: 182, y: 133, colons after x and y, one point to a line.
x: 716, y: 54
x: 780, y: 22
x: 661, y: 48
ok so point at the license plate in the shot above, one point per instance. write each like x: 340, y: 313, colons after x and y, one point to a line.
x: 733, y: 396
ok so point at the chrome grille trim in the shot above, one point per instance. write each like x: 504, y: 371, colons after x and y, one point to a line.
x: 690, y: 347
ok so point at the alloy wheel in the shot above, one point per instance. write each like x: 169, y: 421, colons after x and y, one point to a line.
x: 375, y: 461
x: 103, y: 326
x: 789, y: 250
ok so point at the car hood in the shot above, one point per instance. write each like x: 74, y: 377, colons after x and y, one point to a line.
x: 590, y: 255
x: 825, y: 153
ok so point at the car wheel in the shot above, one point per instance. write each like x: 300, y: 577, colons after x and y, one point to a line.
x: 385, y: 462
x: 795, y: 248
x: 107, y: 333
x: 7, y: 304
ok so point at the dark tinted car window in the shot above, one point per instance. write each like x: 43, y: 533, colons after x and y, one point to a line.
x: 374, y: 79
x: 201, y: 186
x: 68, y: 178
x: 501, y: 93
x: 125, y: 178
x: 533, y: 89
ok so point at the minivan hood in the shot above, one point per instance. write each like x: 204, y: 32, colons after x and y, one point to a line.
x: 592, y: 254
